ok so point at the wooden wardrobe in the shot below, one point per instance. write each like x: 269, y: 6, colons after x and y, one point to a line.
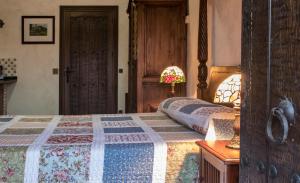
x: 157, y: 40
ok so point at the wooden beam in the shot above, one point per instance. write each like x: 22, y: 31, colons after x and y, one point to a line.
x: 202, y: 49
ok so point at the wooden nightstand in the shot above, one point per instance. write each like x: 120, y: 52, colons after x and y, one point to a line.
x: 218, y: 163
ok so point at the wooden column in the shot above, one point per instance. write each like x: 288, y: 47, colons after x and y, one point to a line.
x: 202, y: 49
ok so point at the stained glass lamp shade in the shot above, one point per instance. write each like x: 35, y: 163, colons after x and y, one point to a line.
x: 172, y: 75
x: 229, y: 90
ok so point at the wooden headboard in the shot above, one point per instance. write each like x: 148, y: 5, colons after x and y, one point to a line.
x: 217, y: 75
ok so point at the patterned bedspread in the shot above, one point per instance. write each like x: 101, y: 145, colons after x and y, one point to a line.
x: 148, y: 147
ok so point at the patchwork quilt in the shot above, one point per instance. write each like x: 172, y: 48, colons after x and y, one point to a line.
x: 195, y: 113
x: 148, y: 147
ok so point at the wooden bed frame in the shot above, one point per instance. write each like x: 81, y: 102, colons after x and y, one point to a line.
x: 206, y: 90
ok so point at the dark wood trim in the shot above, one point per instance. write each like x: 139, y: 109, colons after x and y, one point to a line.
x: 115, y: 10
x: 202, y: 48
x: 39, y: 42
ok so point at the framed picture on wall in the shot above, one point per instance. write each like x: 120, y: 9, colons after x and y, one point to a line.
x: 38, y: 29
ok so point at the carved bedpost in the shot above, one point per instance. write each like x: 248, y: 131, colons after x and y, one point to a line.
x: 202, y: 49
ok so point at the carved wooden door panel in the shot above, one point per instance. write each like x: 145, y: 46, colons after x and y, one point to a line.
x: 270, y: 64
x: 161, y: 42
x: 89, y: 60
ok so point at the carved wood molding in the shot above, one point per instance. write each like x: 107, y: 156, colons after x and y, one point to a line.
x: 202, y: 49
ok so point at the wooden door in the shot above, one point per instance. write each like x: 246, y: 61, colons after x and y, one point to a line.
x: 161, y: 42
x: 270, y: 72
x: 88, y: 63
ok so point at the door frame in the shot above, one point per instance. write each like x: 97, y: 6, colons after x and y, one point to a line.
x: 114, y: 52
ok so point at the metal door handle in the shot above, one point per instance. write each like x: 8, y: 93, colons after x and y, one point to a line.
x: 68, y: 71
x: 285, y: 114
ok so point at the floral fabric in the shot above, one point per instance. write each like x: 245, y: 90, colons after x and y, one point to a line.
x: 67, y: 154
x: 12, y: 161
x: 64, y: 163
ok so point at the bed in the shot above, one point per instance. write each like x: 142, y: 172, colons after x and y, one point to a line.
x: 143, y: 147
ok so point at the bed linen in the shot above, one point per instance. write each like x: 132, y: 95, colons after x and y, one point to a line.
x: 148, y: 147
x: 196, y: 113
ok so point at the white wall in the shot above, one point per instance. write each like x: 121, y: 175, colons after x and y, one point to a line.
x: 37, y: 90
x: 226, y: 32
x: 224, y: 37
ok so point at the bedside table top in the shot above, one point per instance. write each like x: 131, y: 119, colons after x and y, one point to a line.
x: 218, y: 149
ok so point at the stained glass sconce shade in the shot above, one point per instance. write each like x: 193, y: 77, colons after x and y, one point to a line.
x: 229, y: 90
x: 172, y: 75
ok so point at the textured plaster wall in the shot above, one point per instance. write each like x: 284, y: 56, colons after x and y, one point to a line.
x: 226, y: 32
x: 37, y: 89
x: 224, y: 37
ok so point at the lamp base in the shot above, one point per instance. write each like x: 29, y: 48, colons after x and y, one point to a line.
x: 172, y: 93
x: 234, y: 143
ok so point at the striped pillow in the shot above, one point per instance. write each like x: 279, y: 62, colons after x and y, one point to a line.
x: 195, y: 113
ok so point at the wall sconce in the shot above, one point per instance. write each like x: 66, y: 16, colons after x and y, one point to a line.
x: 1, y: 23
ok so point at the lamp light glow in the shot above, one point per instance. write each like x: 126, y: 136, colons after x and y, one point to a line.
x: 229, y: 90
x: 172, y: 75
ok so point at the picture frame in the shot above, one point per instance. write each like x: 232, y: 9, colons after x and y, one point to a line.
x: 38, y: 29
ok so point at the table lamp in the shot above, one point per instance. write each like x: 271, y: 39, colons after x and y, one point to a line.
x: 172, y: 75
x: 229, y: 92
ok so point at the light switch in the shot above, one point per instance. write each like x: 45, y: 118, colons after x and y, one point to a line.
x: 55, y: 71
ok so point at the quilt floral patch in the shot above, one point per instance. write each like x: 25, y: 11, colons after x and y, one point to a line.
x: 75, y: 124
x: 183, y: 162
x: 82, y: 118
x: 12, y: 162
x: 35, y: 119
x: 22, y: 131
x: 64, y: 163
x: 17, y: 140
x: 72, y: 139
x: 73, y: 131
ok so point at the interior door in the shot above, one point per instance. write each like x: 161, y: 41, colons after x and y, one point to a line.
x: 161, y: 43
x: 88, y: 63
x: 270, y: 66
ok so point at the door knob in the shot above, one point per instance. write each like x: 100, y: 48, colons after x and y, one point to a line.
x: 285, y: 113
x: 68, y: 71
